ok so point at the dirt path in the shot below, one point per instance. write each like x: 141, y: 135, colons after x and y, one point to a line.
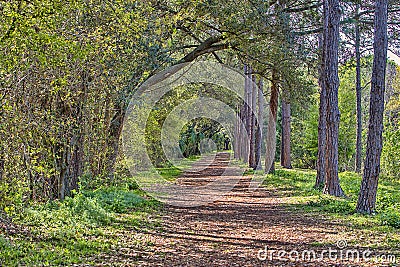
x: 233, y: 230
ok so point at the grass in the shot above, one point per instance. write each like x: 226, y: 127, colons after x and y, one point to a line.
x: 170, y: 173
x: 296, y: 186
x: 77, y: 229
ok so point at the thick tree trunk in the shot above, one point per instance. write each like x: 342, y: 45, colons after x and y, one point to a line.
x: 321, y: 168
x: 358, y: 97
x: 285, y: 140
x: 331, y: 26
x: 271, y: 132
x: 259, y: 125
x: 253, y: 132
x: 367, y: 197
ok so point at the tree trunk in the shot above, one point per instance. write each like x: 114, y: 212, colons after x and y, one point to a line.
x: 61, y: 153
x: 76, y: 146
x: 246, y: 116
x: 331, y: 26
x: 259, y: 125
x: 285, y: 141
x: 367, y: 197
x: 271, y: 132
x: 114, y: 134
x: 242, y: 126
x: 253, y: 100
x: 358, y: 96
x: 236, y: 152
x: 321, y: 168
x: 76, y: 166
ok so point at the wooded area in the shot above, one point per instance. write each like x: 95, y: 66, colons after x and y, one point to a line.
x: 322, y: 92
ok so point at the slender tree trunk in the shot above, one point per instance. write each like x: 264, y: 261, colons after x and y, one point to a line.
x: 76, y: 166
x: 237, y: 135
x: 285, y: 140
x: 260, y: 123
x: 331, y: 26
x: 244, y: 155
x: 253, y: 110
x: 271, y: 132
x: 358, y: 96
x: 243, y: 133
x: 367, y: 197
x: 76, y: 146
x: 61, y: 154
x: 115, y: 130
x: 246, y: 115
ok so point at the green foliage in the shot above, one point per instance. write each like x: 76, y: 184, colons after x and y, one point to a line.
x: 391, y: 136
x: 333, y: 205
x: 116, y: 199
x: 390, y: 218
x: 305, y: 125
x: 71, y: 231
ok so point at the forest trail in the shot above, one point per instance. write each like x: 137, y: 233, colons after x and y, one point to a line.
x: 231, y: 231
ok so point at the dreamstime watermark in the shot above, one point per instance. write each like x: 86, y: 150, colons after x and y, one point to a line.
x: 340, y: 253
x: 145, y: 101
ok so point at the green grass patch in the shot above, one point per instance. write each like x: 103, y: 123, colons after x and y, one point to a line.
x: 76, y: 229
x: 297, y: 187
x: 170, y: 173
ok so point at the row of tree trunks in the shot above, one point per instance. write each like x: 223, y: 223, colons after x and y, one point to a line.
x: 367, y: 197
x: 249, y: 123
x: 251, y: 114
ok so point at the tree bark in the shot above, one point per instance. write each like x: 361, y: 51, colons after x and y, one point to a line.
x: 285, y: 140
x: 236, y: 151
x: 115, y: 130
x: 248, y: 115
x: 367, y: 197
x: 253, y: 105
x: 271, y: 132
x: 358, y: 97
x: 321, y: 168
x: 331, y: 26
x: 259, y: 125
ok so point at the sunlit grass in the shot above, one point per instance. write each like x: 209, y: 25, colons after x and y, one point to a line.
x: 296, y: 187
x: 76, y: 229
x: 170, y: 173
